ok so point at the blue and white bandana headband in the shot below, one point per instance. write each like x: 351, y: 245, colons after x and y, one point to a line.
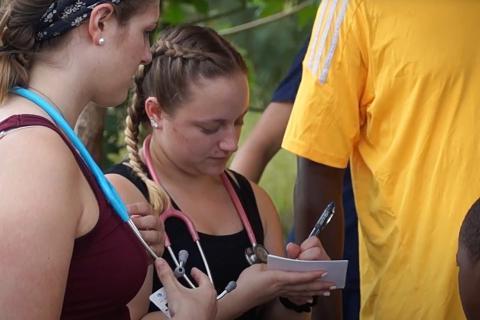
x: 63, y: 15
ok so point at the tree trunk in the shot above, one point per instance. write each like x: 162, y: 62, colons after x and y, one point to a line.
x: 90, y: 127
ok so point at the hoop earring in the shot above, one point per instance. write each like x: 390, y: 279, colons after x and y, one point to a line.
x: 101, y: 41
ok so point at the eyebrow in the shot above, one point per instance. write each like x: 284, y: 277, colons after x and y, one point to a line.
x: 219, y: 121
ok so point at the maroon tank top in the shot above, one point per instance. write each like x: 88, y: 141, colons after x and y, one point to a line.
x: 108, y: 264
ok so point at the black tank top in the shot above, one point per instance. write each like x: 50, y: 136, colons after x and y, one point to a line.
x: 225, y: 254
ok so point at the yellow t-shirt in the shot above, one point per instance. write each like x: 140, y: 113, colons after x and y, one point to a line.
x: 394, y: 86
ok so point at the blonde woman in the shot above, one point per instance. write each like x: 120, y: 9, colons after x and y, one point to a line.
x: 193, y: 97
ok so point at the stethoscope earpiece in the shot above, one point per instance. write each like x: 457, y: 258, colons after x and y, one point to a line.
x: 179, y: 272
x: 250, y: 256
x: 182, y: 261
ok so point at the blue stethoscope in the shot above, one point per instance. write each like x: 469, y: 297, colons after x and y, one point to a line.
x: 108, y: 190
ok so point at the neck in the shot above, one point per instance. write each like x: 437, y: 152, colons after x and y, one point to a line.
x: 61, y: 88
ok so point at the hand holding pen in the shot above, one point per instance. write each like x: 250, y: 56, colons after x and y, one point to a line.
x: 312, y: 249
x: 309, y: 246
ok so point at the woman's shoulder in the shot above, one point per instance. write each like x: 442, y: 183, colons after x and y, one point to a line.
x: 243, y: 183
x: 38, y: 150
x: 40, y: 182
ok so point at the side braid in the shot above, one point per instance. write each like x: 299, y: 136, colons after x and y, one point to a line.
x: 159, y: 199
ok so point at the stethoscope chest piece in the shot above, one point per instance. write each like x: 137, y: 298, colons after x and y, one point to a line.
x: 256, y: 254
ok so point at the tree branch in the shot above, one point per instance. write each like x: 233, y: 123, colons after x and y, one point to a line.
x: 219, y: 15
x: 266, y: 20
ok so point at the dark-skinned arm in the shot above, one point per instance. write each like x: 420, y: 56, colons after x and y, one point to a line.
x: 315, y: 187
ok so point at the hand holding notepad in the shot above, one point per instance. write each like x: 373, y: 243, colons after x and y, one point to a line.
x: 336, y: 269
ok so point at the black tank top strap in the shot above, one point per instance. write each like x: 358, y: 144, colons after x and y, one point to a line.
x: 127, y: 172
x: 247, y: 198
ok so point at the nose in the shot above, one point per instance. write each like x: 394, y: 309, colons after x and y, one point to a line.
x: 147, y: 55
x: 229, y: 143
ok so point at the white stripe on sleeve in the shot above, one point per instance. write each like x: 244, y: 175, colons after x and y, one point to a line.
x: 333, y: 43
x: 325, y: 37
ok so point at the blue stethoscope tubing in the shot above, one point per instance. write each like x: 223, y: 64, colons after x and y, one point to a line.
x: 108, y: 190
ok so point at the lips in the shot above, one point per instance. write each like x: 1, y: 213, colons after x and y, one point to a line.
x: 219, y: 158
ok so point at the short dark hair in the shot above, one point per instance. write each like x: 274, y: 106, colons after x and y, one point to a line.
x: 470, y: 231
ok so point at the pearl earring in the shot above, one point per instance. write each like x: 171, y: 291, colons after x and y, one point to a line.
x: 154, y: 123
x: 101, y: 41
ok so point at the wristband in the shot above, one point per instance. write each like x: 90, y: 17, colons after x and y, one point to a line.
x: 306, y: 307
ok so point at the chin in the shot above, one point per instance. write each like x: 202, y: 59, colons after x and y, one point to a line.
x: 112, y: 100
x: 214, y: 170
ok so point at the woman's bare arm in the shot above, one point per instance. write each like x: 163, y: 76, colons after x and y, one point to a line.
x: 41, y: 214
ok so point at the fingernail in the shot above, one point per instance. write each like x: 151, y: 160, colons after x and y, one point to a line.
x: 326, y: 294
x: 160, y: 262
x: 325, y: 274
x: 333, y: 288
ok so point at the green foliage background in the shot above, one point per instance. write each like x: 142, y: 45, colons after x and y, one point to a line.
x: 268, y: 49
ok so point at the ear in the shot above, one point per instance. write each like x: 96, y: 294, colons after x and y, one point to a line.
x: 101, y: 16
x: 476, y: 268
x: 153, y: 109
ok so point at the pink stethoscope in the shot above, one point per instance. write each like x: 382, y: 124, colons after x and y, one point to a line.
x: 255, y: 254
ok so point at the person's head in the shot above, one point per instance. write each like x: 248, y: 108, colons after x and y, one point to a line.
x: 468, y: 260
x: 195, y: 94
x: 101, y: 42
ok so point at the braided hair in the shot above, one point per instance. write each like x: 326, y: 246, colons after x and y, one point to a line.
x: 135, y: 115
x: 182, y: 55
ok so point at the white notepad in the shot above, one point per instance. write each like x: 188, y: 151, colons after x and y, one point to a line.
x: 336, y: 269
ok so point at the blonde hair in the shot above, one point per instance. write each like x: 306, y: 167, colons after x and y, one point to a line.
x: 17, y: 41
x: 181, y: 56
x: 157, y: 196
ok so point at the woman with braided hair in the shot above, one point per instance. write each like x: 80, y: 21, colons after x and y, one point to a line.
x: 65, y: 253
x: 191, y: 99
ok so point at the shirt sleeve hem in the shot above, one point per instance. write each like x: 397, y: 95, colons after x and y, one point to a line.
x: 303, y: 150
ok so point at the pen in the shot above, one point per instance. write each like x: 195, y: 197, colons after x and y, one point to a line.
x: 323, y: 220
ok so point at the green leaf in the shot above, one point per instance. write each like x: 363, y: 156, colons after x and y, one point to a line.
x: 202, y: 6
x: 306, y: 16
x: 271, y: 7
x: 173, y: 13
